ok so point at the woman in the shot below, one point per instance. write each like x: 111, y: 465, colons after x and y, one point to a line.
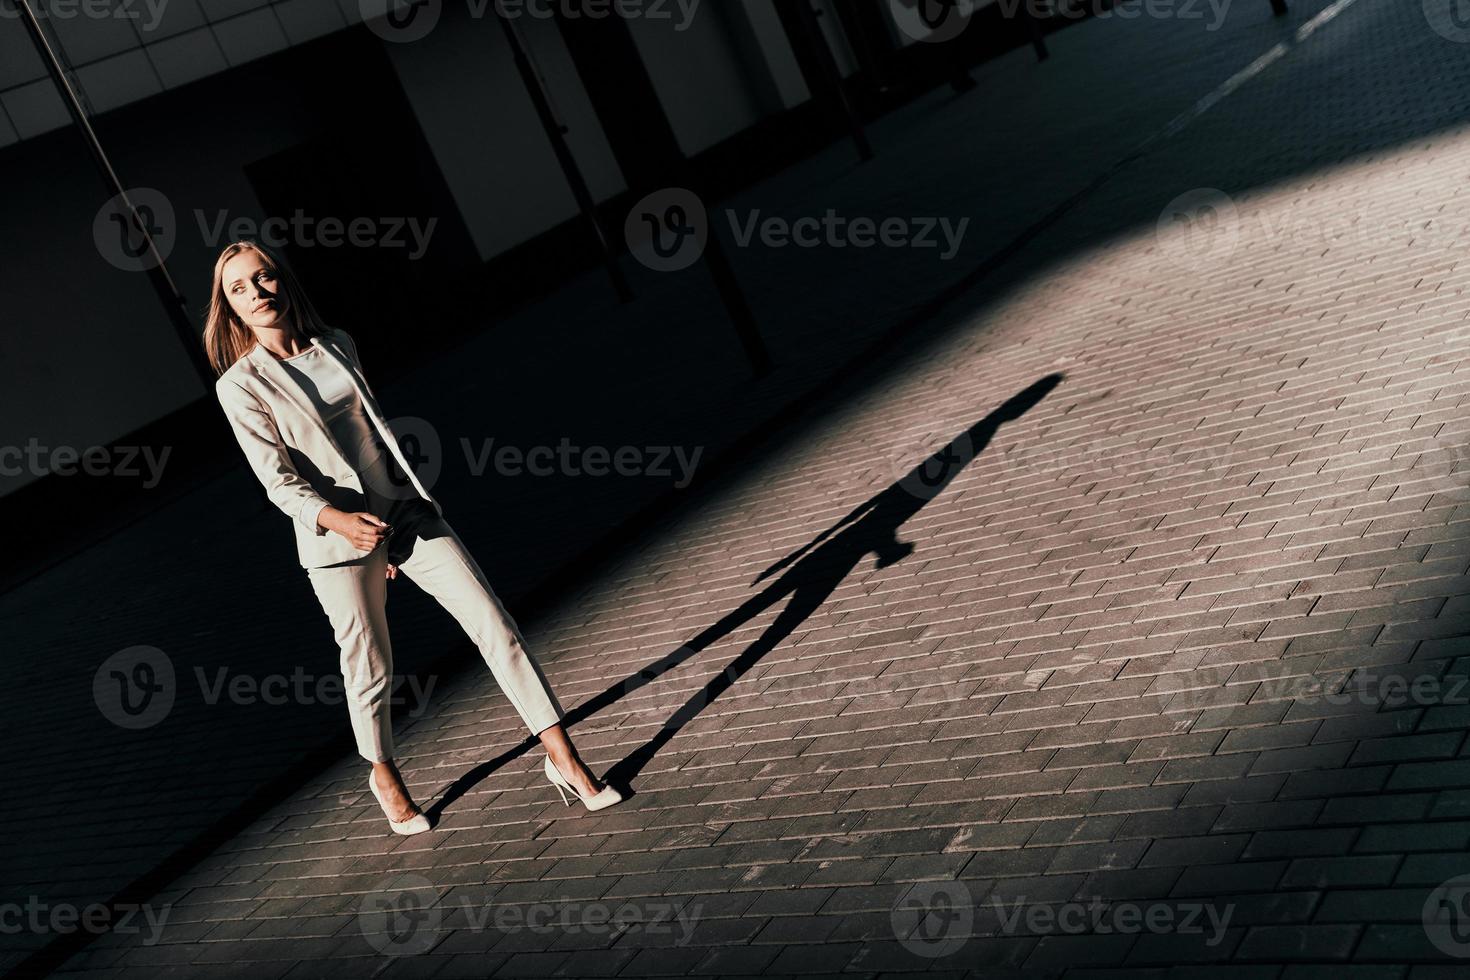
x: 312, y: 431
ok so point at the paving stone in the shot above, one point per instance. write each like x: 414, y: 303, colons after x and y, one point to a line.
x: 1133, y: 652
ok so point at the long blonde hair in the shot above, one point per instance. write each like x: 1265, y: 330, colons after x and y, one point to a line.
x: 226, y: 338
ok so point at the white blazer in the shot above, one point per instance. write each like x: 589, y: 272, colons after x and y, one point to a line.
x: 292, y: 450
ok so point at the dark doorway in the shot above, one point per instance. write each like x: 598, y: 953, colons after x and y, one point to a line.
x: 400, y: 272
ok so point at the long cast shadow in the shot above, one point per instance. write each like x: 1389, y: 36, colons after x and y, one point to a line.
x: 809, y: 576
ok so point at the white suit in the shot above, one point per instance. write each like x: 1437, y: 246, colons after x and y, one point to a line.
x: 303, y: 469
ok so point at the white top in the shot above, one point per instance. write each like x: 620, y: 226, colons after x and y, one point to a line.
x: 336, y: 400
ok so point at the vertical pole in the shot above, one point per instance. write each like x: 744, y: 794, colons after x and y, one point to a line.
x: 729, y: 289
x: 827, y: 67
x: 951, y: 55
x: 643, y: 141
x: 860, y: 24
x: 556, y: 133
x: 959, y: 72
x: 168, y: 293
x: 1033, y: 30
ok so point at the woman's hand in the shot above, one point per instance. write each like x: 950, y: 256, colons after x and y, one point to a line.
x: 365, y: 531
x: 392, y: 571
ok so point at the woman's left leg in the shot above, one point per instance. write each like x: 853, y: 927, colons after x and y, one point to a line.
x: 440, y: 564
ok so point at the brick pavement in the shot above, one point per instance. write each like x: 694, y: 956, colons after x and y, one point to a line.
x: 1111, y: 667
x: 664, y: 371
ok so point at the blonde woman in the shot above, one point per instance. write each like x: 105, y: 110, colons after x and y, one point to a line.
x: 313, y: 433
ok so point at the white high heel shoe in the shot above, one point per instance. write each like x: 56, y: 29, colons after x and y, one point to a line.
x: 416, y: 824
x: 597, y: 801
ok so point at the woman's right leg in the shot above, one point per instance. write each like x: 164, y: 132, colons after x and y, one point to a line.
x: 354, y: 597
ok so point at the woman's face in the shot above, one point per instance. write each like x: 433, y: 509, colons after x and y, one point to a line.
x: 254, y: 292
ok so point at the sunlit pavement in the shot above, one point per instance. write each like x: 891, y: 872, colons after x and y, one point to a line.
x: 1141, y: 650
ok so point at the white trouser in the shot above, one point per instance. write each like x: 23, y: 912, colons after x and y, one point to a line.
x: 354, y: 594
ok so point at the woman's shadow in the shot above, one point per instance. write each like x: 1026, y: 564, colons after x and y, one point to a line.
x: 809, y: 575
